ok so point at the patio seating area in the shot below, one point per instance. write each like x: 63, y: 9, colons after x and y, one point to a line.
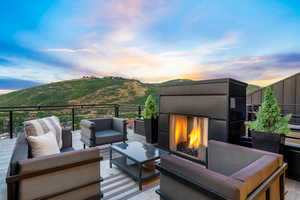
x: 116, y: 184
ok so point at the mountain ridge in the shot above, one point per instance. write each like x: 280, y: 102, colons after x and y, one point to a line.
x: 88, y: 90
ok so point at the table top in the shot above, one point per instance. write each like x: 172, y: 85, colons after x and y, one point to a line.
x: 138, y: 151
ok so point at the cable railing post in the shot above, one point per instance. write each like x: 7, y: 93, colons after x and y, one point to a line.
x: 140, y: 111
x: 73, y: 119
x: 116, y: 110
x: 11, y: 124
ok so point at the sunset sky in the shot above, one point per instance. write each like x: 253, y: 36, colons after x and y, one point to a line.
x: 151, y: 40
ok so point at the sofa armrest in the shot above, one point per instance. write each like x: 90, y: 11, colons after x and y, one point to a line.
x: 87, y: 124
x: 120, y: 125
x: 66, y: 138
x: 257, y: 172
x: 198, y: 176
x: 88, y: 129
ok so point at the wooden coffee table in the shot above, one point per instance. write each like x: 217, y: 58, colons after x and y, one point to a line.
x: 136, y: 159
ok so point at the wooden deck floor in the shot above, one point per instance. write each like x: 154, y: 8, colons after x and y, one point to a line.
x: 6, y: 147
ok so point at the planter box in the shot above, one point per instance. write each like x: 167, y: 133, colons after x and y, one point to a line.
x: 139, y: 127
x: 151, y: 130
x: 267, y: 141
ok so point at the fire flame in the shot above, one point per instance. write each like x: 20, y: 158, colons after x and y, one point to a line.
x: 181, y: 134
x: 180, y: 129
x: 194, y: 136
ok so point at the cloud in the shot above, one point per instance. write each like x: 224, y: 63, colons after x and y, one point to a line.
x: 19, y: 51
x: 65, y: 50
x: 125, y: 19
x: 210, y: 48
x: 16, y: 84
x: 287, y: 58
x: 140, y: 62
x: 5, y: 62
x: 261, y: 70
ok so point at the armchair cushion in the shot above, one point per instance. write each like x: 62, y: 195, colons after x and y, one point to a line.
x: 108, y: 136
x: 227, y: 158
x: 102, y: 123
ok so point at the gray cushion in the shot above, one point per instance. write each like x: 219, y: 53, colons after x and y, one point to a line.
x: 102, y: 123
x: 108, y: 136
x: 227, y: 158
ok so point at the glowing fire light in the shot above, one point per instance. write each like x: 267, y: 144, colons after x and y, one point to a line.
x: 181, y: 132
x: 180, y: 129
x: 194, y: 136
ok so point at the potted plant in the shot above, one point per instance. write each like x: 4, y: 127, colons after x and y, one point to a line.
x: 150, y: 115
x: 269, y: 129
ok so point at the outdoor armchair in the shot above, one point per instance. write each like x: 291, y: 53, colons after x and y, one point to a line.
x: 101, y: 131
x: 233, y: 172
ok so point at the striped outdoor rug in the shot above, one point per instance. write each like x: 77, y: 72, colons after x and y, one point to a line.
x: 121, y: 187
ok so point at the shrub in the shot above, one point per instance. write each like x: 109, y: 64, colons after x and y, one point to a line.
x: 269, y: 118
x: 150, y: 110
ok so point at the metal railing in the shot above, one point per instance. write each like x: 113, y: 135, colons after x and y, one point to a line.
x: 293, y: 109
x: 13, y: 117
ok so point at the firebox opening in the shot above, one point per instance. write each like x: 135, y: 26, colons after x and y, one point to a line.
x: 189, y: 135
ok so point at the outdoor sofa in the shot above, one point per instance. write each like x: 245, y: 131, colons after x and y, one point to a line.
x: 71, y: 174
x: 100, y: 131
x: 233, y: 172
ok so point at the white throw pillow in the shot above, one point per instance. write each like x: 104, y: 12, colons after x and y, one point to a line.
x: 43, y: 145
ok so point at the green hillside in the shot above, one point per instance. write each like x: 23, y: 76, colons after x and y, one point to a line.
x: 252, y: 88
x: 82, y: 91
x: 87, y: 91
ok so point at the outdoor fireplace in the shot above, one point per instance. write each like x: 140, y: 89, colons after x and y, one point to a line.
x: 214, y: 109
x: 189, y: 136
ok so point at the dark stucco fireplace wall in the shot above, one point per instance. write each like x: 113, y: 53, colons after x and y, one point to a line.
x: 223, y: 101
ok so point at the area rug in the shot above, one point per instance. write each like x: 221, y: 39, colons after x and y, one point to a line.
x: 122, y: 187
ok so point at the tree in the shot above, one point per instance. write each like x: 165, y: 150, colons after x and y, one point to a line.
x: 269, y: 118
x: 150, y: 110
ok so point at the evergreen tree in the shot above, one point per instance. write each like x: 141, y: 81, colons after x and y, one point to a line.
x: 269, y: 118
x: 150, y: 110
